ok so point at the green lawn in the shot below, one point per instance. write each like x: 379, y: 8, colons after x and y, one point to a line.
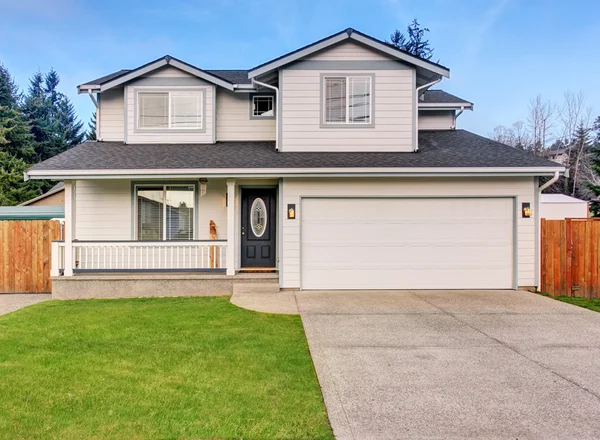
x: 592, y: 304
x: 161, y: 368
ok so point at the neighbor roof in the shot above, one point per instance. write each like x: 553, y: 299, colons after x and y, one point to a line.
x: 560, y: 198
x: 437, y: 149
x: 441, y: 97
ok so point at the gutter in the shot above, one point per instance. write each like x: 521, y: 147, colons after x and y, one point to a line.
x: 268, y: 86
x: 287, y: 172
x: 549, y: 182
x: 418, y: 89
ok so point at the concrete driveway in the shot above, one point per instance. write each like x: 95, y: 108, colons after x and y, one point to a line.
x: 455, y: 364
x: 9, y: 302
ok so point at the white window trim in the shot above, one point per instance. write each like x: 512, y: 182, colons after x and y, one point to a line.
x: 261, y: 95
x: 164, y: 228
x: 347, y: 77
x: 196, y: 92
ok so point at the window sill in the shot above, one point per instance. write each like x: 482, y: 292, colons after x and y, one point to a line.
x: 353, y: 126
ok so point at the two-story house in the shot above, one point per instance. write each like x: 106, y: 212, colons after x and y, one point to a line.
x: 334, y: 166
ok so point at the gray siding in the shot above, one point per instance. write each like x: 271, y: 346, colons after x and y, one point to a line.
x: 233, y: 119
x: 110, y: 114
x: 436, y: 120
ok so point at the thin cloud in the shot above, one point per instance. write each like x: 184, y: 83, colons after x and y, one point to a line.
x: 484, y: 27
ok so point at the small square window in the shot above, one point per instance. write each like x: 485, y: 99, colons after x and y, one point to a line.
x: 263, y: 106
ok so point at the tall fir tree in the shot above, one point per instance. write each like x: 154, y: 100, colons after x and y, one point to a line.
x: 54, y: 124
x: 595, y: 165
x: 15, y: 135
x: 90, y: 135
x: 9, y: 91
x: 13, y: 189
x: 414, y: 41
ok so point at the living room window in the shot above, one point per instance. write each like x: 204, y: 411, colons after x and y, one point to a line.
x: 170, y: 110
x: 262, y: 107
x: 165, y: 212
x: 347, y: 100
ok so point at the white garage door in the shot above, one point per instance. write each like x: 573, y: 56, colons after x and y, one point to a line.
x: 411, y: 243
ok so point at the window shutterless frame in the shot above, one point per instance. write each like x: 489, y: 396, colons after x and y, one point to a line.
x: 164, y: 213
x: 347, y: 123
x: 253, y: 96
x: 199, y: 94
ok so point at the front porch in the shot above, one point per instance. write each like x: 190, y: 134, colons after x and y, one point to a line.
x: 172, y: 238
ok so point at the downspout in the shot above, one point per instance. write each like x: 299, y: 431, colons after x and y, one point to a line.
x: 432, y: 83
x: 460, y: 112
x: 93, y: 98
x: 538, y: 241
x: 268, y: 86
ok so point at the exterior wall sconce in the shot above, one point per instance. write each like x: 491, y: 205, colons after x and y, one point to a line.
x: 203, y: 181
x: 526, y: 210
x: 291, y: 212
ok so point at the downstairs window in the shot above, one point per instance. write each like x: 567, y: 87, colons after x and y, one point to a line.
x: 165, y: 212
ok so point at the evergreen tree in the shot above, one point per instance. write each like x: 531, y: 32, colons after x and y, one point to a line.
x: 90, y: 135
x: 15, y: 136
x: 54, y: 124
x: 9, y: 91
x: 414, y: 41
x: 595, y: 165
x: 13, y: 189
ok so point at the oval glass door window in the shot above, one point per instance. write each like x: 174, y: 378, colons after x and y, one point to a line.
x: 258, y: 217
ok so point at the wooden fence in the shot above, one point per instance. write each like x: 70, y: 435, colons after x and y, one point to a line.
x: 25, y: 250
x: 569, y: 257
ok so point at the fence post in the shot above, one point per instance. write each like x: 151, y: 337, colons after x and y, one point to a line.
x: 55, y: 260
x: 569, y: 262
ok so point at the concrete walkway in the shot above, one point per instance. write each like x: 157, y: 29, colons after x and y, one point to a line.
x: 264, y: 298
x: 9, y: 302
x: 455, y: 364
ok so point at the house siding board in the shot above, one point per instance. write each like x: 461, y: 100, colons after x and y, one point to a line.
x: 233, y: 119
x: 522, y: 188
x: 349, y: 51
x: 204, y: 137
x: 111, y: 115
x: 104, y: 210
x: 392, y: 113
x: 436, y: 120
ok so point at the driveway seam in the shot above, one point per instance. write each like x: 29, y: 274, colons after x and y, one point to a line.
x: 513, y: 349
x: 316, y: 352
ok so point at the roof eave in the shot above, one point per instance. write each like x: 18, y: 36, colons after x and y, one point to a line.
x: 292, y: 172
x: 347, y: 35
x: 150, y: 67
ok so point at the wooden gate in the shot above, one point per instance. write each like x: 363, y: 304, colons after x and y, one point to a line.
x: 25, y: 248
x: 569, y: 257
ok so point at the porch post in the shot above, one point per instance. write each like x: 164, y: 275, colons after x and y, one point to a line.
x: 69, y: 225
x: 230, y: 227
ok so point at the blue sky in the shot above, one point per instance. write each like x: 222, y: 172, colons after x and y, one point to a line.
x: 501, y: 53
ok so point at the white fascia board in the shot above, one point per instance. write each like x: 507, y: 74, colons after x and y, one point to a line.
x: 297, y: 55
x: 134, y: 74
x: 446, y: 105
x: 200, y: 74
x: 161, y: 63
x: 289, y: 172
x: 401, y: 55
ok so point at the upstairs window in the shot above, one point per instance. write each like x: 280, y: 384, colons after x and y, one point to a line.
x: 347, y: 100
x: 170, y: 110
x: 262, y: 106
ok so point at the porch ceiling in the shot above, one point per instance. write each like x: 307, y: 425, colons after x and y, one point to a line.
x: 455, y: 149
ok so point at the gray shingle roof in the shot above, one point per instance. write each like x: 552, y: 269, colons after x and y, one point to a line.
x: 445, y: 149
x: 107, y: 78
x: 233, y: 76
x: 441, y: 97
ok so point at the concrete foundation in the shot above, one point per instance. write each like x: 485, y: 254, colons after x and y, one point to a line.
x: 152, y: 285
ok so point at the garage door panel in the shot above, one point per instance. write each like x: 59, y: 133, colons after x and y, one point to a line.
x: 407, y: 243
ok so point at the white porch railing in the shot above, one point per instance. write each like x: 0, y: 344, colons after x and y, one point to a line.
x: 142, y: 255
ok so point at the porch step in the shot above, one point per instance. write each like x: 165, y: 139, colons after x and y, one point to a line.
x: 256, y: 288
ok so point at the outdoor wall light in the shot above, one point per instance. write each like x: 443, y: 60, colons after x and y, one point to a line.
x: 526, y: 210
x: 291, y: 212
x: 203, y: 181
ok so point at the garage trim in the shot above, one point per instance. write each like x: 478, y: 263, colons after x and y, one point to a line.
x: 515, y: 240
